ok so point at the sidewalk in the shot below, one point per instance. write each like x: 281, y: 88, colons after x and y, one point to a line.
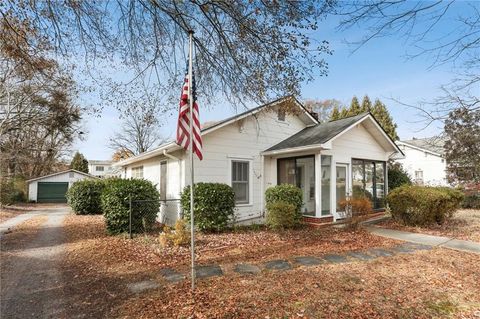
x: 447, y: 242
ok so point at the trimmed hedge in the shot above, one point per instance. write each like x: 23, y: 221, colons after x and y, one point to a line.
x: 287, y: 193
x: 116, y: 204
x: 214, y: 205
x: 281, y: 215
x: 418, y: 205
x: 84, y: 197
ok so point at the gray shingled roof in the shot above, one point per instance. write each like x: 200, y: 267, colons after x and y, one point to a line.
x: 433, y: 144
x: 317, y: 134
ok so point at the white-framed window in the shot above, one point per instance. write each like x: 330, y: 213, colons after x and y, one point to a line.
x: 99, y: 168
x: 137, y: 172
x: 240, y: 180
x: 71, y: 175
x: 281, y: 115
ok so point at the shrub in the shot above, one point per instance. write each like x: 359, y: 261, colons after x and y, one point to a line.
x: 281, y: 215
x: 286, y: 193
x: 397, y: 176
x: 354, y: 209
x: 84, y: 197
x: 179, y: 237
x: 214, y: 205
x: 471, y: 201
x: 12, y: 190
x: 417, y: 205
x: 116, y: 204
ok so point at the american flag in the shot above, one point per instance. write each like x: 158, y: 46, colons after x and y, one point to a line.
x: 183, y: 130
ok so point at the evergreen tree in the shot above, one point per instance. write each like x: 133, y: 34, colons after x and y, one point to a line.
x: 381, y: 114
x: 345, y: 112
x: 355, y: 108
x: 366, y: 104
x: 335, y: 114
x: 79, y: 163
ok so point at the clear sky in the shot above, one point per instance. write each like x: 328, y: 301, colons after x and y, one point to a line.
x: 378, y: 69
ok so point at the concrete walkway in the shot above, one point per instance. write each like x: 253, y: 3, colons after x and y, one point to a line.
x: 31, y: 276
x: 424, y: 239
x: 12, y: 222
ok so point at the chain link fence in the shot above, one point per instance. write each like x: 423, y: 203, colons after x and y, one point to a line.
x: 145, y: 214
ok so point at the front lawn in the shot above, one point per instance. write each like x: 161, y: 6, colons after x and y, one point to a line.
x: 464, y: 225
x: 424, y: 284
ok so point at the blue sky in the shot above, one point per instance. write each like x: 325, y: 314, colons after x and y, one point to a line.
x: 378, y: 69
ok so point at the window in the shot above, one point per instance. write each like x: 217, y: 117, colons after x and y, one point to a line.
x: 137, y: 172
x: 240, y: 181
x: 71, y: 174
x: 281, y: 115
x: 326, y: 163
x: 368, y: 180
x: 419, y: 177
x: 99, y: 168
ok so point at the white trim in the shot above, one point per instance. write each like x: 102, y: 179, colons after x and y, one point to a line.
x: 171, y: 146
x: 419, y: 149
x: 294, y: 149
x: 250, y: 177
x: 62, y: 172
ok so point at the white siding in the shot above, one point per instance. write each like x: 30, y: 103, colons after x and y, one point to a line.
x: 244, y: 139
x: 433, y: 166
x: 61, y: 178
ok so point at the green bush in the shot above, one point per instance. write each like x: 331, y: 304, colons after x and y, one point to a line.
x: 397, y: 176
x: 12, y: 190
x: 418, y: 205
x: 84, y: 197
x: 471, y: 201
x: 115, y: 204
x: 281, y: 215
x: 214, y: 205
x: 287, y: 193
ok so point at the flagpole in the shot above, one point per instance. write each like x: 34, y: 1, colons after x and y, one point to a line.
x: 190, y: 102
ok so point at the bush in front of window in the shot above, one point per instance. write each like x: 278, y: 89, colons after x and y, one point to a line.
x: 116, y: 205
x: 84, y: 197
x: 397, y: 176
x: 423, y: 206
x: 287, y: 193
x: 281, y: 215
x: 214, y: 205
x: 354, y: 210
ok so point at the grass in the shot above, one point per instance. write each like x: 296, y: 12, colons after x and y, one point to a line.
x: 464, y: 225
x: 430, y: 284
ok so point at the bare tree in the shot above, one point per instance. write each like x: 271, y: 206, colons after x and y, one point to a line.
x: 421, y: 24
x: 245, y: 50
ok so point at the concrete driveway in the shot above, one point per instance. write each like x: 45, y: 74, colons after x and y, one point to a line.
x: 31, y: 278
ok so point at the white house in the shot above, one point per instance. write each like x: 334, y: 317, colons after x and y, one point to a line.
x: 53, y: 187
x: 280, y: 142
x: 424, y: 160
x: 100, y: 168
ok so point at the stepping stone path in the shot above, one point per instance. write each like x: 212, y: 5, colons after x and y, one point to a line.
x: 359, y: 255
x: 171, y: 275
x: 174, y: 276
x: 308, y: 261
x: 336, y: 259
x: 141, y: 286
x: 208, y: 271
x: 278, y: 265
x: 247, y: 269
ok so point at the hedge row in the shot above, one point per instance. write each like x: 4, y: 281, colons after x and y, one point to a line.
x: 419, y: 205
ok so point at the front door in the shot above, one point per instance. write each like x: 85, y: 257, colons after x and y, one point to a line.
x: 341, y: 187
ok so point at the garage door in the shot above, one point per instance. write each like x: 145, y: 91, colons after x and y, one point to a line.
x: 52, y: 192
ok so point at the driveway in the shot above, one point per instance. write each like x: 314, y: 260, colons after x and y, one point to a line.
x: 30, y: 272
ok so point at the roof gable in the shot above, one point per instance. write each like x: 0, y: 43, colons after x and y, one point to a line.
x: 59, y: 173
x: 433, y: 145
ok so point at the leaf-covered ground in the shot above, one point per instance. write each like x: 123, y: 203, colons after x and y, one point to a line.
x: 464, y: 225
x: 437, y: 283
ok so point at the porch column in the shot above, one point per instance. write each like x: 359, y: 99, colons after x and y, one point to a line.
x: 318, y: 185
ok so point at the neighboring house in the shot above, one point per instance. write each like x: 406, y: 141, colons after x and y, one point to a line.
x: 424, y: 160
x: 267, y: 146
x: 52, y: 188
x: 100, y: 168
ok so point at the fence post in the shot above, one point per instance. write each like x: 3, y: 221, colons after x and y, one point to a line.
x: 130, y: 216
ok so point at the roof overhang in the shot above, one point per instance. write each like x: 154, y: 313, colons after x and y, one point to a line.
x: 419, y: 148
x: 59, y: 173
x: 170, y: 146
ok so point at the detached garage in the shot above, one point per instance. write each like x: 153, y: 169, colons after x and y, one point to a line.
x: 52, y: 188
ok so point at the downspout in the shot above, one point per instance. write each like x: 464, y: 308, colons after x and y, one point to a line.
x: 179, y: 215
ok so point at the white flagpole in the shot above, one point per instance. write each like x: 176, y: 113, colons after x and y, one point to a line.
x: 190, y: 101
